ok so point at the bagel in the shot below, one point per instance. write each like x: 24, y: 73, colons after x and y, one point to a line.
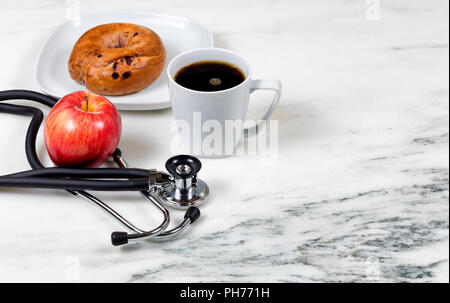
x: 117, y: 59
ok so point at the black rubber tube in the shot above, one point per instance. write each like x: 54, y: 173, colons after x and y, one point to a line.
x: 101, y: 173
x: 21, y: 94
x: 74, y: 184
x: 37, y: 117
x: 33, y: 128
x: 36, y: 179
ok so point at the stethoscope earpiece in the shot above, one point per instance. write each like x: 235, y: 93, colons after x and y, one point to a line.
x: 192, y: 214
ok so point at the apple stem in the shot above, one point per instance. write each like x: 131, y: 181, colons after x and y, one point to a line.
x: 87, y: 102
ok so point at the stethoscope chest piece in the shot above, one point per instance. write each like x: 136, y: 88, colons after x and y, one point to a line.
x: 186, y: 190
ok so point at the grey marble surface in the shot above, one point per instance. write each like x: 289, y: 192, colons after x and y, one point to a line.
x: 360, y: 190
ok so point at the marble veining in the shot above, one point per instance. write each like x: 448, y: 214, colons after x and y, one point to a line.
x: 360, y: 191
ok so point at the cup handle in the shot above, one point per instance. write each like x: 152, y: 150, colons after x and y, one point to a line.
x: 273, y: 85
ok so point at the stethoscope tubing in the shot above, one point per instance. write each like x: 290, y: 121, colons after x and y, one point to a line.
x: 74, y: 184
x: 113, y: 173
x: 21, y: 94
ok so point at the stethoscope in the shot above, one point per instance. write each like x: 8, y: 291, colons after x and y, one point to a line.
x: 178, y: 188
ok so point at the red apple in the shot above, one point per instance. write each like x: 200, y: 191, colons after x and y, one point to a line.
x: 82, y: 130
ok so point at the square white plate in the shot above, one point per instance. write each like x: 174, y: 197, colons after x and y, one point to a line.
x: 178, y: 35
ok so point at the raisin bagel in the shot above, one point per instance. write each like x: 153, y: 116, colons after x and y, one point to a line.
x: 117, y: 59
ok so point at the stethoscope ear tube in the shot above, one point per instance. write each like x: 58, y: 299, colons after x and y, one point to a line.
x: 192, y: 214
x: 21, y: 94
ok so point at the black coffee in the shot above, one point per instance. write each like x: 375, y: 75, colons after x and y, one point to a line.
x: 209, y: 76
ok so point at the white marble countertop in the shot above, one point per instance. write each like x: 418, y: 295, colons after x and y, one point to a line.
x: 360, y: 191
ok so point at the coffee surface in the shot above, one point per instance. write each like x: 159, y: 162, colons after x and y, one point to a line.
x: 209, y: 76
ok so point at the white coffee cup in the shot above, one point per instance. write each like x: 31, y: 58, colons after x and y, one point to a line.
x: 211, y: 123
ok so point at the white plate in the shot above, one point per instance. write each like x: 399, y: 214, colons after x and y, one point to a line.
x: 178, y: 35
